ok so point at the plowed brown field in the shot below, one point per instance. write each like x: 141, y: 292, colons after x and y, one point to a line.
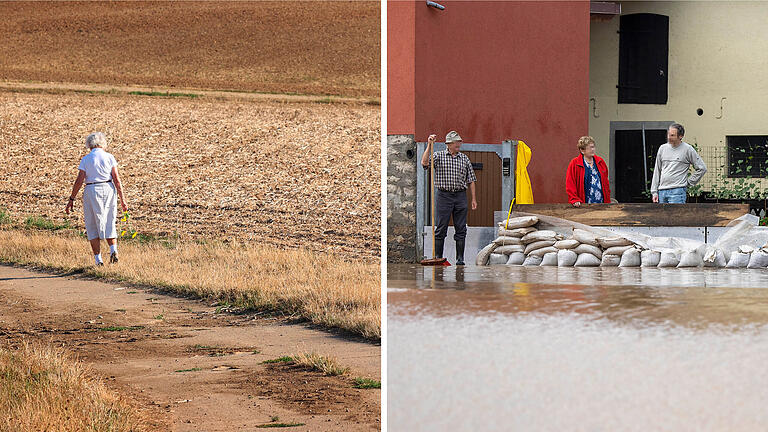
x: 291, y: 175
x: 308, y: 47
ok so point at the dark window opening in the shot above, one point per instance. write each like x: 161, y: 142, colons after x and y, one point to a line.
x: 643, y: 58
x: 747, y: 155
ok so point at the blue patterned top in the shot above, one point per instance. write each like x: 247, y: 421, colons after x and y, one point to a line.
x: 593, y: 188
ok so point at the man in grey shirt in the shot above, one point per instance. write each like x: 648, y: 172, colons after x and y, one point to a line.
x: 670, y: 176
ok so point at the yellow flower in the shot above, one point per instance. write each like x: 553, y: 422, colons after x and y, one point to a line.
x: 134, y: 235
x: 122, y: 234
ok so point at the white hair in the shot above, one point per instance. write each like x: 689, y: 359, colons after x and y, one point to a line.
x: 96, y: 139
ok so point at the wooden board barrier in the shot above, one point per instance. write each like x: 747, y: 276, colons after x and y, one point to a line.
x: 641, y: 214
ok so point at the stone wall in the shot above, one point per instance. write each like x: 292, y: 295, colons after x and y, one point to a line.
x: 401, y: 199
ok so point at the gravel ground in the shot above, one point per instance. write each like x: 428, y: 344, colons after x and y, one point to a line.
x: 287, y: 174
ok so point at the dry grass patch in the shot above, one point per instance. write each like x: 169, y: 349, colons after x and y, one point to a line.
x: 327, y: 365
x: 321, y: 288
x: 43, y: 389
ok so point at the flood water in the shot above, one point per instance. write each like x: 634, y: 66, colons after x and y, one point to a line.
x: 560, y: 349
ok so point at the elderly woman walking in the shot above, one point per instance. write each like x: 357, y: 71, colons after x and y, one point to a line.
x: 98, y: 170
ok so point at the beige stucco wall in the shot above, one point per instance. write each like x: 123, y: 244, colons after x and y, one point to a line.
x: 716, y: 50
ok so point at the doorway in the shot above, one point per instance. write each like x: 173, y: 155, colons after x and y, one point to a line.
x: 633, y: 155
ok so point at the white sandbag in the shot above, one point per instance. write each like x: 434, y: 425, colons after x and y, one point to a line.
x: 505, y: 240
x: 482, y: 256
x: 738, y: 260
x: 519, y: 222
x: 532, y: 260
x: 588, y: 248
x: 544, y: 250
x: 517, y: 232
x: 609, y: 242
x: 668, y: 259
x: 549, y: 259
x: 587, y: 260
x: 497, y: 258
x: 538, y: 245
x: 586, y: 237
x: 610, y: 260
x: 649, y: 258
x: 746, y: 249
x: 630, y: 258
x: 690, y: 259
x: 617, y: 250
x: 566, y: 258
x: 508, y: 249
x: 715, y: 258
x: 758, y: 259
x: 536, y: 236
x: 566, y: 244
x: 516, y: 258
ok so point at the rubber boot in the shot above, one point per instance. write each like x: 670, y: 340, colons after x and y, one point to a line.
x: 459, y: 252
x: 439, y: 248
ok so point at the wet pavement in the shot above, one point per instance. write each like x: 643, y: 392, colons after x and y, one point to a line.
x: 547, y: 348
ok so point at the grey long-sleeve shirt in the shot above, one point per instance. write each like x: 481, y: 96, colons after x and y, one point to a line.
x: 672, y: 165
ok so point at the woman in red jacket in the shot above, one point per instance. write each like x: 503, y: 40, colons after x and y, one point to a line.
x: 586, y: 180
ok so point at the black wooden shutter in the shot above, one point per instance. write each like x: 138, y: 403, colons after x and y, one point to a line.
x: 643, y: 58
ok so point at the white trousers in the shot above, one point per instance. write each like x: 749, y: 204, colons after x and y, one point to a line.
x: 100, y: 210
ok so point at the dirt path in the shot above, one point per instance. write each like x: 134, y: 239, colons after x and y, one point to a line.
x: 192, y: 368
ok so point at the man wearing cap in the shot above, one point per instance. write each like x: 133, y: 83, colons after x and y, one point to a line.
x: 453, y: 175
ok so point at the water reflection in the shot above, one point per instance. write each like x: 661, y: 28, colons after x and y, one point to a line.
x: 691, y: 297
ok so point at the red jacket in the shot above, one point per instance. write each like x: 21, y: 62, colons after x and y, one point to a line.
x: 574, y: 179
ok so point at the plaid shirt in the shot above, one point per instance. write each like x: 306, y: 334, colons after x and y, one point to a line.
x: 452, y: 173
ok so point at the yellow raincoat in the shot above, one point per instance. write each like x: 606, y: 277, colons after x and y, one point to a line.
x: 523, y: 190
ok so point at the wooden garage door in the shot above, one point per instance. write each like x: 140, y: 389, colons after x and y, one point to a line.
x: 487, y: 189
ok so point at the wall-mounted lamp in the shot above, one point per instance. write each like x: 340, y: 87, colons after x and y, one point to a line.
x: 435, y: 5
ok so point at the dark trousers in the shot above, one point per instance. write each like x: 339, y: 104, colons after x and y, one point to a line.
x: 451, y: 203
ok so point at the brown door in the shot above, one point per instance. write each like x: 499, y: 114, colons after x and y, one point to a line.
x: 487, y: 188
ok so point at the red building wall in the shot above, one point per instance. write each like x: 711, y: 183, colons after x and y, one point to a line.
x: 401, y: 60
x: 495, y: 70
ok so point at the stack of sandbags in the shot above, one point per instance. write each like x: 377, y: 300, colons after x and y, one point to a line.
x: 508, y: 245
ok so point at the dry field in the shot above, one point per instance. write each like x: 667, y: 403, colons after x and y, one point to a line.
x: 310, y: 47
x: 282, y: 174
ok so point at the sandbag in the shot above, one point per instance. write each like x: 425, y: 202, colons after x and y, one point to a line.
x: 538, y: 245
x: 609, y: 242
x: 519, y: 222
x: 630, y: 258
x: 532, y: 260
x: 516, y: 258
x: 587, y: 260
x: 549, y: 259
x: 484, y: 253
x: 668, y: 259
x: 746, y: 249
x: 715, y: 258
x: 508, y: 249
x: 585, y: 237
x: 566, y: 244
x: 566, y: 258
x: 544, y: 250
x: 738, y: 260
x: 497, y: 258
x: 610, y: 261
x: 505, y: 240
x: 617, y: 250
x: 690, y: 259
x: 649, y: 258
x: 536, y: 236
x: 758, y: 259
x: 588, y: 248
x: 517, y: 232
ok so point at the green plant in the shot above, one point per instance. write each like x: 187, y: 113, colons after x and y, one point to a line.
x: 284, y: 359
x: 5, y: 218
x: 40, y: 222
x: 365, y: 383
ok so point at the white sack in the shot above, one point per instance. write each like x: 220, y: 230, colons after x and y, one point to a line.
x: 516, y: 258
x: 617, y: 250
x: 506, y: 240
x: 715, y: 258
x: 508, y: 249
x: 588, y: 248
x: 610, y: 261
x: 649, y: 258
x: 517, y: 232
x: 536, y: 236
x: 544, y: 250
x: 583, y: 236
x: 497, y: 258
x: 669, y: 259
x: 538, y: 245
x: 532, y: 260
x: 608, y: 242
x: 758, y: 259
x: 549, y: 259
x: 738, y: 260
x: 566, y: 258
x: 566, y: 244
x: 690, y: 259
x: 630, y: 258
x: 587, y: 260
x: 519, y: 222
x: 482, y: 256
